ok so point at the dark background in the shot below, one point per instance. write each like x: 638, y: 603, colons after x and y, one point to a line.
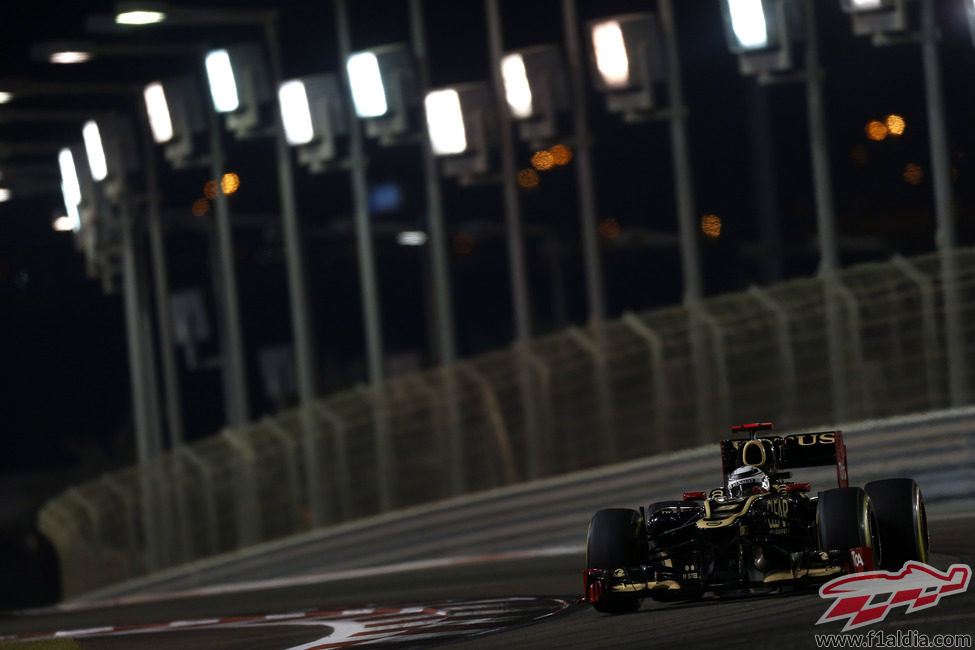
x: 65, y: 411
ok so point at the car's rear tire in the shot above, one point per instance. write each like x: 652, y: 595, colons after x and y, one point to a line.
x: 845, y: 519
x: 613, y: 542
x: 903, y: 523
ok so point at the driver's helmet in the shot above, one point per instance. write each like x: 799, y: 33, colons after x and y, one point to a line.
x: 742, y: 480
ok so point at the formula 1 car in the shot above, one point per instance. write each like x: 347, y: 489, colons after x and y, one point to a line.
x: 756, y: 533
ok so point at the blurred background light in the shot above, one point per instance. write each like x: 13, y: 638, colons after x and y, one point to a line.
x: 711, y: 226
x: 610, y: 51
x: 69, y: 57
x: 445, y: 122
x: 561, y: 154
x: 295, y: 112
x: 865, y: 5
x: 5, y: 97
x: 895, y: 124
x: 913, y: 174
x: 64, y: 223
x: 609, y: 229
x: 368, y: 93
x: 200, y: 207
x: 517, y: 90
x: 95, y: 151
x: 543, y: 160
x: 876, y: 130
x: 210, y: 189
x: 528, y: 178
x: 386, y: 198
x: 4, y: 194
x: 411, y: 238
x: 157, y: 109
x: 748, y: 23
x: 223, y: 87
x: 70, y: 186
x: 229, y: 183
x: 140, y: 17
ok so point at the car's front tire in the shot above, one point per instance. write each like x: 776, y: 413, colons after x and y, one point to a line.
x: 613, y: 542
x: 903, y: 523
x: 845, y: 519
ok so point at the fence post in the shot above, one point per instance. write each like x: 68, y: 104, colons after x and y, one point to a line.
x: 604, y: 397
x: 543, y: 424
x: 787, y: 358
x: 856, y: 343
x: 386, y: 470
x: 247, y: 502
x: 721, y: 360
x: 658, y: 379
x: 929, y: 325
x: 342, y: 460
x: 292, y: 480
x: 447, y: 449
x: 494, y: 415
x: 209, y: 497
x: 128, y: 516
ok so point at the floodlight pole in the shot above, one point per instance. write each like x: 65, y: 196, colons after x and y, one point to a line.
x: 443, y: 306
x: 946, y: 236
x: 516, y: 249
x: 367, y: 279
x: 825, y: 216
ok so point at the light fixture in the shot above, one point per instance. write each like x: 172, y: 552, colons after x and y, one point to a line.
x: 314, y: 118
x: 5, y: 194
x: 70, y: 186
x: 411, y: 238
x: 5, y: 96
x: 875, y: 17
x: 761, y: 33
x: 535, y: 90
x: 461, y: 128
x: 239, y: 85
x: 95, y: 150
x: 627, y: 61
x: 176, y: 117
x: 139, y: 17
x: 383, y: 86
x: 158, y: 111
x: 69, y: 57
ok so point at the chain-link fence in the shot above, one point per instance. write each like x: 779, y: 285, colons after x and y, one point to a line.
x: 864, y: 343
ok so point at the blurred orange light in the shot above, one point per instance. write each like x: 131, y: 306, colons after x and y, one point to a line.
x: 463, y: 244
x: 876, y: 131
x: 913, y: 174
x: 210, y: 190
x: 561, y: 154
x: 200, y: 207
x: 711, y: 226
x: 543, y: 160
x: 895, y: 124
x: 609, y: 229
x: 229, y: 183
x: 528, y: 178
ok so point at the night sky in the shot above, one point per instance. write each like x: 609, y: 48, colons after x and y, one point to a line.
x: 64, y: 397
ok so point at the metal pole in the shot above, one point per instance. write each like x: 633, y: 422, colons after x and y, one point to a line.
x: 516, y: 250
x: 825, y: 218
x: 302, y: 332
x: 234, y: 369
x: 945, y: 237
x: 764, y: 161
x: 443, y: 307
x: 367, y: 278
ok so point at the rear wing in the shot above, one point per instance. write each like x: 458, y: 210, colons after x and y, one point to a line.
x: 773, y: 454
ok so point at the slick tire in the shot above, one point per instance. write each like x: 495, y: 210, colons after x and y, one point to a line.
x: 845, y: 519
x: 614, y: 542
x: 903, y: 524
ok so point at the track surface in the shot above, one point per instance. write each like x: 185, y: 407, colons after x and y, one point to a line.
x: 516, y: 603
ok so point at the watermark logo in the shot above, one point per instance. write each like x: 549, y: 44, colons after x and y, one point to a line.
x: 867, y: 598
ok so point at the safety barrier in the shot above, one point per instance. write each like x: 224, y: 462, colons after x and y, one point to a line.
x: 641, y: 385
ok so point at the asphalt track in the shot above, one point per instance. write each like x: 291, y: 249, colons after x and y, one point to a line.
x: 511, y: 601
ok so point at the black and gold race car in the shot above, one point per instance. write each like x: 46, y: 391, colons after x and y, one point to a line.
x: 759, y: 531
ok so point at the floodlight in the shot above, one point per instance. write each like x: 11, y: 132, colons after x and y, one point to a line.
x: 69, y: 56
x: 368, y: 93
x: 628, y: 61
x: 314, y: 117
x: 239, y: 85
x: 761, y: 33
x: 411, y: 238
x: 5, y: 194
x: 70, y: 186
x: 535, y: 90
x: 223, y: 86
x: 875, y: 16
x: 460, y: 125
x: 158, y: 111
x: 139, y: 17
x: 95, y: 149
x: 445, y: 122
x: 383, y: 85
x: 5, y: 96
x: 295, y: 112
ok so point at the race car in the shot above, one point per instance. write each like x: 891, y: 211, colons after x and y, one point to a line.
x: 758, y: 532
